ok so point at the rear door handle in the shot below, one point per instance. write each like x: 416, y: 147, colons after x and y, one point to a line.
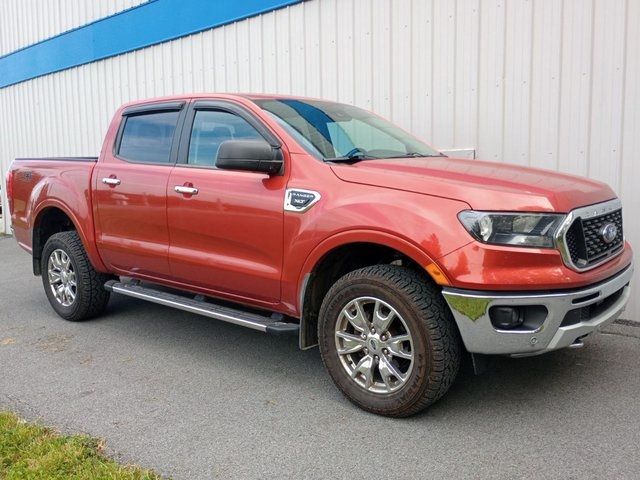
x: 186, y: 190
x: 111, y: 181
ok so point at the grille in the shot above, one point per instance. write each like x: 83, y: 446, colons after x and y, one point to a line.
x: 584, y: 314
x: 585, y: 243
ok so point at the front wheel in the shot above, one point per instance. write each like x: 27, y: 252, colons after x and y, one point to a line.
x: 74, y: 288
x: 388, y: 340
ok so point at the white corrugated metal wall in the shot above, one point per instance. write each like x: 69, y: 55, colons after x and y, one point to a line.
x: 546, y: 83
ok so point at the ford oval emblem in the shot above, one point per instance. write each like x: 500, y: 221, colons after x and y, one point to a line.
x: 609, y: 232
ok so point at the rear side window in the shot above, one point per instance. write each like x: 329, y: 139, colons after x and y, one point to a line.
x: 210, y: 129
x: 148, y: 137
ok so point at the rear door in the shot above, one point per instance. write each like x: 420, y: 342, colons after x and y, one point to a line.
x: 131, y: 190
x: 226, y: 235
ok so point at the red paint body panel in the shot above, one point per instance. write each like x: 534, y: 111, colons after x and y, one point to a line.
x: 131, y: 218
x: 479, y: 266
x: 484, y: 185
x: 64, y: 184
x: 228, y: 238
x: 234, y: 241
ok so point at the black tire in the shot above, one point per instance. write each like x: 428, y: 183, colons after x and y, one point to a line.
x: 436, y: 343
x: 91, y: 298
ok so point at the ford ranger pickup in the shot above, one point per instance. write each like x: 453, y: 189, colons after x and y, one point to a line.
x: 293, y: 215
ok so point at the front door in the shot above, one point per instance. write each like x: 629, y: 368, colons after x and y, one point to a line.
x: 130, y: 192
x: 225, y: 226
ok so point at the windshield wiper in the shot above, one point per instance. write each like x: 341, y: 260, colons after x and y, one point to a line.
x: 358, y: 156
x: 416, y: 154
x: 351, y: 158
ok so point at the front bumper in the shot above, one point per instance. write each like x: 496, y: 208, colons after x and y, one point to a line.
x: 599, y: 304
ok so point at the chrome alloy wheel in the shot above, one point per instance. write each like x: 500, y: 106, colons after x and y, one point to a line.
x: 62, y: 278
x: 374, y: 345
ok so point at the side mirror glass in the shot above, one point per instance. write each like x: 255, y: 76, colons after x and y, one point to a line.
x: 251, y: 155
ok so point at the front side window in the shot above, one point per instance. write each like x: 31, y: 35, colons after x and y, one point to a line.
x: 148, y: 137
x: 337, y: 131
x: 210, y: 129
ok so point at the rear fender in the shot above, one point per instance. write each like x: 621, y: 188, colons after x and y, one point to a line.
x: 83, y: 227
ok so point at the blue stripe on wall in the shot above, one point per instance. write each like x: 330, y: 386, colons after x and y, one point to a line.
x: 142, y: 26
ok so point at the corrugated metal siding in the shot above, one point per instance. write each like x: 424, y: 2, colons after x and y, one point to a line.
x: 24, y: 22
x: 553, y: 84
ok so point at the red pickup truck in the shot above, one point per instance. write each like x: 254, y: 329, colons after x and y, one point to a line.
x: 293, y: 215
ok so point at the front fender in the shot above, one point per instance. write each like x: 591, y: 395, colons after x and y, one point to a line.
x: 421, y: 227
x: 377, y: 237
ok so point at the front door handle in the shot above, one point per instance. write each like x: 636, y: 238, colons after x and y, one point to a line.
x: 111, y: 181
x: 186, y: 190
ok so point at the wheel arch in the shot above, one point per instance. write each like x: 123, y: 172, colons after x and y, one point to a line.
x: 53, y: 217
x: 346, y: 252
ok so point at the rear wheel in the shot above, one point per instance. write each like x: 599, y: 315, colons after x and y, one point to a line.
x: 388, y: 340
x: 74, y: 288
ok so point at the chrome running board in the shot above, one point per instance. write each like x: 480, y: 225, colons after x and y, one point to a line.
x: 199, y: 305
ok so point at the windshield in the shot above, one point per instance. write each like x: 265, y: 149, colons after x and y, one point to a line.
x: 335, y: 131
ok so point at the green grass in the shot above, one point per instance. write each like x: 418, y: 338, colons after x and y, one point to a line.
x: 30, y: 451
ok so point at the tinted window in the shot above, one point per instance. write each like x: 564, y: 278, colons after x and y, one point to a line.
x: 210, y: 129
x: 148, y: 137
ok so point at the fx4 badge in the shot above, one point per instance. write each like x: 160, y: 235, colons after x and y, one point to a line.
x: 299, y: 200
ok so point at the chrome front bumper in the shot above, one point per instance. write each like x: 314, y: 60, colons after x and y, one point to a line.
x: 471, y: 312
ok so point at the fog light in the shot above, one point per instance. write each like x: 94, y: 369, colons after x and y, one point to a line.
x: 506, y: 318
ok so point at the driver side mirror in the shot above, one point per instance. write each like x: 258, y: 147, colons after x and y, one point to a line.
x: 250, y: 155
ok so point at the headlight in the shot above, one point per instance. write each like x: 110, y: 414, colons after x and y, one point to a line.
x: 517, y: 229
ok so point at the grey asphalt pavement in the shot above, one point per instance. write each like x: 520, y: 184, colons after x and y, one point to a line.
x: 195, y: 398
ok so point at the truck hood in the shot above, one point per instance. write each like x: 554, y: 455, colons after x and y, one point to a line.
x: 483, y: 185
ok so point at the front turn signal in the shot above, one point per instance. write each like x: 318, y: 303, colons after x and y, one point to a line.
x: 438, y: 275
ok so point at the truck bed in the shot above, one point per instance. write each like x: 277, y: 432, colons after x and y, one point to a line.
x: 50, y: 182
x: 57, y: 159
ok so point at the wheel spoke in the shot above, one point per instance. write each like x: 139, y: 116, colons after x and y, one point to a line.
x: 381, y: 322
x: 54, y: 277
x: 350, y: 343
x: 388, y: 371
x: 357, y: 319
x: 364, y: 367
x: 70, y: 294
x: 395, y: 346
x: 54, y: 260
x: 65, y: 261
x: 60, y: 293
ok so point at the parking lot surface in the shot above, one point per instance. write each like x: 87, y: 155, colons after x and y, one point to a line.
x: 195, y: 398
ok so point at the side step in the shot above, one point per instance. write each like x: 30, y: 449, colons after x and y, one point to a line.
x: 200, y: 306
